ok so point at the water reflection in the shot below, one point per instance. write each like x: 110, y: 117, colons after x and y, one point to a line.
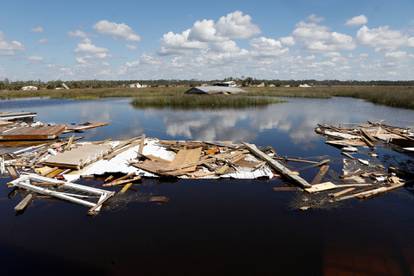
x: 291, y: 122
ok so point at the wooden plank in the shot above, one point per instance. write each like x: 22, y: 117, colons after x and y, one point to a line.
x: 125, y: 188
x: 338, y: 194
x: 141, y: 145
x: 370, y: 193
x: 32, y: 133
x: 329, y: 186
x: 280, y: 168
x: 321, y: 174
x: 185, y: 160
x: 79, y: 157
x: 12, y: 172
x: 121, y: 182
x: 24, y: 203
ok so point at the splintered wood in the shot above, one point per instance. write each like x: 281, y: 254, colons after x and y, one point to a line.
x: 185, y: 161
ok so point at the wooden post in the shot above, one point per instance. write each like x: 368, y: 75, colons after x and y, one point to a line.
x: 279, y: 167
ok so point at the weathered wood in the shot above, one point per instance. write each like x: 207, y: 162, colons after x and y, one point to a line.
x: 32, y: 133
x: 321, y: 174
x: 329, y: 186
x: 121, y: 182
x: 280, y: 168
x: 12, y: 172
x: 368, y: 142
x: 338, y: 194
x: 125, y: 188
x: 141, y: 145
x: 370, y: 193
x: 24, y: 203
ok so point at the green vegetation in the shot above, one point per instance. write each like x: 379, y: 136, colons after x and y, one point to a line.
x: 396, y: 96
x: 96, y: 93
x: 204, y: 101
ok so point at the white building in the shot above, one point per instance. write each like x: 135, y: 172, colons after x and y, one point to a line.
x: 137, y: 85
x: 29, y: 88
x: 305, y: 85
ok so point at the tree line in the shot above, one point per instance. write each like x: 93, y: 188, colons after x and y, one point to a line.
x: 245, y: 81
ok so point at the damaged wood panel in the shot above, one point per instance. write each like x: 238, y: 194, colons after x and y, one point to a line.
x: 32, y: 133
x: 79, y: 157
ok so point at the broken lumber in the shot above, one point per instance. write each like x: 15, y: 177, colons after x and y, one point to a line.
x: 329, y: 186
x: 24, y: 203
x: 280, y: 168
x: 321, y: 174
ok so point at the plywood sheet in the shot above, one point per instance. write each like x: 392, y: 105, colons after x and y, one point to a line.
x: 32, y: 133
x: 79, y: 157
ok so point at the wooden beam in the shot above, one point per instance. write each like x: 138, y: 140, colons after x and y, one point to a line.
x: 321, y: 174
x: 279, y: 167
x: 24, y: 203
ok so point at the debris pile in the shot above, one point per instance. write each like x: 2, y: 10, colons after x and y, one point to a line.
x: 368, y: 134
x: 51, y: 168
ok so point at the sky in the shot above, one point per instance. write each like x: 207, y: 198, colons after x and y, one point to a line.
x: 126, y: 39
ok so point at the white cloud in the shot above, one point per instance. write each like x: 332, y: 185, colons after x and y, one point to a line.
x: 131, y: 46
x: 35, y: 58
x: 9, y: 47
x: 81, y: 60
x: 211, y: 36
x: 43, y: 41
x: 384, y: 38
x: 269, y: 47
x: 236, y: 25
x: 173, y: 43
x: 205, y: 31
x: 317, y: 37
x: 118, y: 30
x: 287, y: 40
x: 315, y: 19
x: 87, y: 47
x: 38, y: 29
x: 396, y: 54
x: 77, y: 33
x: 357, y: 20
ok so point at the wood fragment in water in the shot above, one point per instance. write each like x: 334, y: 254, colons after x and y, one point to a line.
x: 321, y: 174
x: 24, y: 203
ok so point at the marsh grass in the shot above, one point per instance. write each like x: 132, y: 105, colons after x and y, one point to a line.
x: 396, y: 96
x: 204, y: 101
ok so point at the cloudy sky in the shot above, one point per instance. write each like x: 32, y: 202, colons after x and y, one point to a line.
x: 295, y: 39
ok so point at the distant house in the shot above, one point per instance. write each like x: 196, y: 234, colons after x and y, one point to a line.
x: 137, y: 85
x: 29, y: 88
x: 261, y: 84
x: 226, y: 84
x: 272, y: 85
x: 211, y: 90
x: 305, y: 85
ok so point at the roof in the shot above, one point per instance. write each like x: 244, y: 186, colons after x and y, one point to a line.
x: 215, y: 90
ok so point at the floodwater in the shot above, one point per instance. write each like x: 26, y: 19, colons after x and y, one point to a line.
x: 220, y: 227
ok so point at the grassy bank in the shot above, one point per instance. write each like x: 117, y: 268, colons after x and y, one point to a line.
x: 203, y: 101
x: 396, y: 96
x: 96, y: 93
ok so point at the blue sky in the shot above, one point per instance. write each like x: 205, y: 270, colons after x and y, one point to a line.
x: 205, y: 40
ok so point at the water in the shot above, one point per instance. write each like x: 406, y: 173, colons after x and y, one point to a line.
x: 215, y: 227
